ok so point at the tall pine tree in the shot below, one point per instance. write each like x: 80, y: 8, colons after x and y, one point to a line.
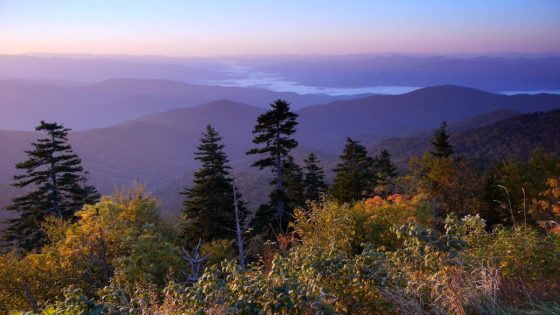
x: 441, y: 144
x: 85, y: 194
x: 293, y: 196
x: 355, y: 178
x: 314, y: 178
x: 56, y: 174
x: 209, y: 210
x: 273, y: 133
x: 385, y: 172
x: 293, y: 184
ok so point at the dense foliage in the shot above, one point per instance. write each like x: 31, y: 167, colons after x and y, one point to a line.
x: 442, y: 147
x: 374, y: 256
x: 442, y: 238
x: 314, y: 178
x: 355, y: 178
x: 385, y: 172
x: 59, y: 186
x: 523, y: 185
x: 514, y: 138
x: 273, y: 136
x: 209, y: 203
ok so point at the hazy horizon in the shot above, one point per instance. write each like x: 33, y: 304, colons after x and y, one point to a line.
x: 56, y: 56
x: 457, y: 55
x: 286, y: 157
x: 221, y: 28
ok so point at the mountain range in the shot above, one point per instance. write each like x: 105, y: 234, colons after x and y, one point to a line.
x: 106, y: 103
x: 490, y: 73
x: 157, y: 149
x: 495, y: 73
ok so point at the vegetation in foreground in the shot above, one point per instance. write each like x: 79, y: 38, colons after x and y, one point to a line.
x: 380, y: 255
x: 440, y: 239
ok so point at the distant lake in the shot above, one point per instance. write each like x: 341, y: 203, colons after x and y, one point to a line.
x: 245, y: 76
x: 532, y: 92
x: 289, y: 86
x: 242, y: 76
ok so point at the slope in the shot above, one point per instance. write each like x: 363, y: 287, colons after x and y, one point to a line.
x: 158, y: 149
x: 380, y: 116
x: 513, y: 138
x: 114, y: 101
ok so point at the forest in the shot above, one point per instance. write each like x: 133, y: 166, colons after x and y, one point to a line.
x: 454, y: 231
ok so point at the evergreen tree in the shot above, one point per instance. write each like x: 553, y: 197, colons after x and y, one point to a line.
x: 293, y: 184
x: 85, y: 194
x: 385, y: 172
x: 442, y: 147
x: 55, y: 172
x: 273, y: 133
x: 209, y: 210
x: 355, y: 178
x: 492, y: 193
x: 292, y: 195
x: 314, y: 178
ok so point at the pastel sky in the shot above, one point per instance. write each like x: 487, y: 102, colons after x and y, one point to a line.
x: 228, y: 27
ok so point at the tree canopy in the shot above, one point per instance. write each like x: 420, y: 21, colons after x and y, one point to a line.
x: 273, y: 135
x: 58, y: 187
x: 355, y: 178
x: 314, y: 178
x: 442, y: 146
x: 209, y: 212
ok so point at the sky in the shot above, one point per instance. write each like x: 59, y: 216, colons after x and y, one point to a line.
x: 264, y: 27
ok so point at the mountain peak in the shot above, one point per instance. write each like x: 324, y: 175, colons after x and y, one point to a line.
x: 448, y: 89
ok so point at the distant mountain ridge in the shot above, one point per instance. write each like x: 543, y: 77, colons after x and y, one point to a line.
x: 411, y: 113
x: 508, y: 72
x: 483, y: 140
x: 157, y: 149
x: 98, y: 68
x: 483, y: 120
x: 110, y: 102
x: 511, y: 138
x: 489, y: 73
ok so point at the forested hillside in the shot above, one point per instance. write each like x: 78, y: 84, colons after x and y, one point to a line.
x: 279, y: 157
x: 417, y: 111
x: 480, y: 139
x: 513, y: 138
x: 302, y: 232
x: 134, y: 150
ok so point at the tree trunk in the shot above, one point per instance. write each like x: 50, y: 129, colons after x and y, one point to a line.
x: 238, y: 230
x: 29, y: 297
x: 54, y: 184
x: 195, y: 260
x: 280, y: 201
